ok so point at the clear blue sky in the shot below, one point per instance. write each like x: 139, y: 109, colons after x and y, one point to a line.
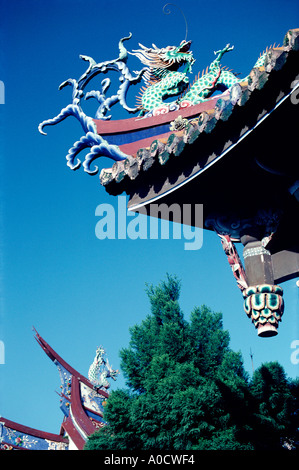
x: 80, y: 292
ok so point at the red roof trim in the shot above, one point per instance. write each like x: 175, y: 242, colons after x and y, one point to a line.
x: 33, y: 432
x: 53, y: 355
x: 132, y: 124
x: 78, y: 412
x: 73, y: 433
x: 132, y: 147
x: 97, y: 413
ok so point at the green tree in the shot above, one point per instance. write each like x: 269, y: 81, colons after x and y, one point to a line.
x: 275, y: 407
x: 188, y: 390
x: 186, y: 386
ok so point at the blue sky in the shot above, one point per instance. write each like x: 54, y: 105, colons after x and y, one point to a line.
x: 56, y: 275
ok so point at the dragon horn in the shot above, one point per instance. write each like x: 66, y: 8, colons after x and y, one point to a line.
x: 143, y: 47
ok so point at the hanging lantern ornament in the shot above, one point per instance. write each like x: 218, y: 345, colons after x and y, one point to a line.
x: 264, y: 304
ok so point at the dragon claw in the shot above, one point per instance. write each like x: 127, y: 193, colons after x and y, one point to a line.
x: 227, y: 48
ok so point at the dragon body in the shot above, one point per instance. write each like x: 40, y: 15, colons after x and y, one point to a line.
x: 163, y: 80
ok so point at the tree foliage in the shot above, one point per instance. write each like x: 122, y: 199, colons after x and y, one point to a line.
x: 188, y: 390
x: 275, y: 409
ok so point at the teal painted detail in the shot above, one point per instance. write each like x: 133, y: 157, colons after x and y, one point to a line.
x: 264, y: 305
x: 164, y: 81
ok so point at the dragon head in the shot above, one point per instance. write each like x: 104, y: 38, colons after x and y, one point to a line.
x: 178, y: 55
x: 170, y: 57
x: 99, y: 354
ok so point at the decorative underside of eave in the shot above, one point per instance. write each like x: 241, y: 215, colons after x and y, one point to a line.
x: 123, y: 175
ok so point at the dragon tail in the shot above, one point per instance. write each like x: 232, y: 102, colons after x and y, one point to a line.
x: 70, y: 110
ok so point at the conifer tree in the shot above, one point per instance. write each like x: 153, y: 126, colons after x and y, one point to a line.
x: 187, y: 389
x: 275, y: 408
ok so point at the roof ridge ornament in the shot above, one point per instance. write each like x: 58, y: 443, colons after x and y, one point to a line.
x: 100, y: 370
x: 97, y: 144
x: 163, y: 80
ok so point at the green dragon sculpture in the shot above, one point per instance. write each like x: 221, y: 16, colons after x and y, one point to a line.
x: 163, y: 80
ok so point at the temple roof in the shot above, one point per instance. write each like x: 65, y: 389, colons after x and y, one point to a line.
x: 56, y: 358
x: 16, y: 436
x: 81, y: 402
x: 236, y: 156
